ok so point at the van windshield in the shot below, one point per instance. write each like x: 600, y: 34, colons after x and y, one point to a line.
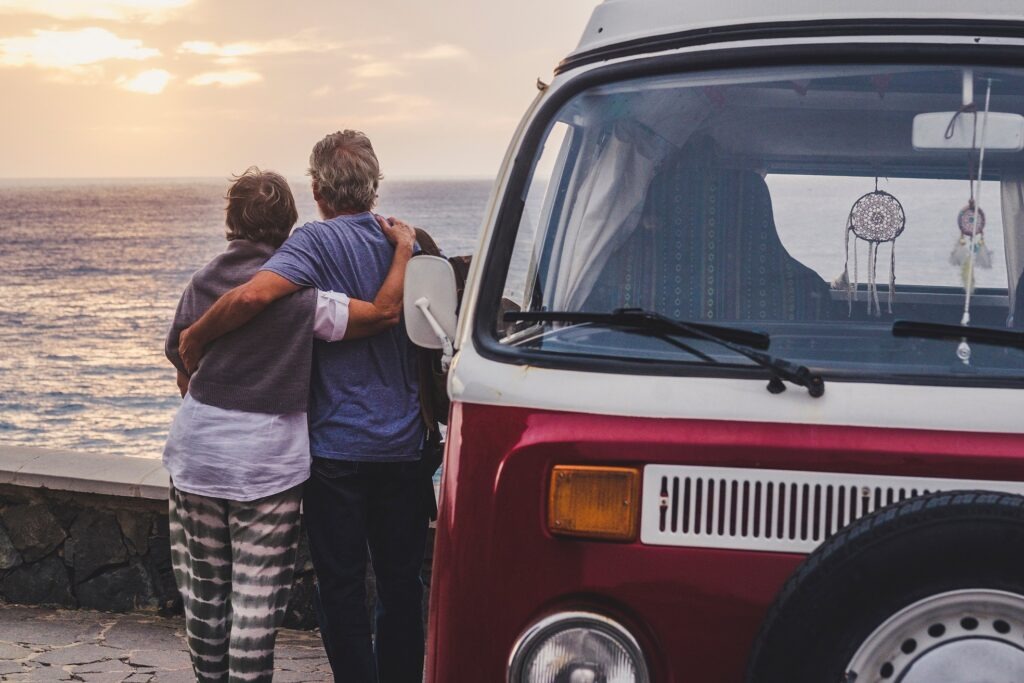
x: 792, y: 202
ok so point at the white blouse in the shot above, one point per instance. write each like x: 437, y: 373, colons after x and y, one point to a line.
x: 243, y: 456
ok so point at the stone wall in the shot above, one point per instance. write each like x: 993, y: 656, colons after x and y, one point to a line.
x: 63, y: 543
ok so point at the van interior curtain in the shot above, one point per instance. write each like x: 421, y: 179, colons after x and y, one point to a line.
x: 607, y: 209
x: 1012, y: 191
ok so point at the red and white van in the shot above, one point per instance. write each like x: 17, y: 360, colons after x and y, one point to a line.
x: 736, y: 384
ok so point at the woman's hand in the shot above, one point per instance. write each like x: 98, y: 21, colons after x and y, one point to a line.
x: 182, y: 383
x: 399, y: 233
x: 190, y: 350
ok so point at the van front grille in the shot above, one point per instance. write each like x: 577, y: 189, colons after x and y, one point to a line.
x: 776, y: 510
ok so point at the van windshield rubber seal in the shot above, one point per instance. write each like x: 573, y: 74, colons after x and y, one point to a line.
x: 499, y: 255
x: 788, y: 30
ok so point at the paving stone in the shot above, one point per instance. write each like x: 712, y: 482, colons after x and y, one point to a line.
x: 177, y: 677
x: 138, y: 677
x: 296, y: 677
x: 66, y: 629
x: 111, y: 667
x: 103, y: 677
x: 90, y: 646
x: 10, y: 651
x: 10, y: 667
x: 78, y: 654
x: 135, y: 635
x: 44, y: 674
x: 169, y: 660
x: 33, y: 529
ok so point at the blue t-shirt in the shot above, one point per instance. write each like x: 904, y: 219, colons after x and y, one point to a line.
x: 364, y: 402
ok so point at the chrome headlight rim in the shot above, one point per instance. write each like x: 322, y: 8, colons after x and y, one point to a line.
x: 536, y: 634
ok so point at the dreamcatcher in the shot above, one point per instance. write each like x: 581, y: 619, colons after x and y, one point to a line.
x: 971, y: 221
x: 876, y: 218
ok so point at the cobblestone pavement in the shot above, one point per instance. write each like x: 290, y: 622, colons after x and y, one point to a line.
x: 41, y: 644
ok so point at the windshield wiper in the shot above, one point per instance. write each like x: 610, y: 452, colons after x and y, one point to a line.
x: 983, y: 335
x: 739, y: 341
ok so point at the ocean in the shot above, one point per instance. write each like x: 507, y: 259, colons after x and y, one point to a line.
x: 90, y: 274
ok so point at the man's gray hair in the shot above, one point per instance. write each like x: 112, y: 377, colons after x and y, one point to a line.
x: 346, y: 171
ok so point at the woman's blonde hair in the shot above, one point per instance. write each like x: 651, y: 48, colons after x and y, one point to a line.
x: 260, y: 207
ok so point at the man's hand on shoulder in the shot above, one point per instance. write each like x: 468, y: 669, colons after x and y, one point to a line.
x: 399, y: 233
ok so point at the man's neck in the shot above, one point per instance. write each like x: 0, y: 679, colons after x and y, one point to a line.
x: 328, y: 214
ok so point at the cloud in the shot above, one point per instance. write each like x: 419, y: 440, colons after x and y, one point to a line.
x: 113, y: 10
x: 227, y: 79
x: 322, y: 91
x: 70, y: 50
x: 228, y: 53
x: 151, y: 82
x: 441, y: 51
x: 377, y: 70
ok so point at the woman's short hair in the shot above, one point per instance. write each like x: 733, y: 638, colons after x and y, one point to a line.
x: 260, y: 207
x: 346, y: 171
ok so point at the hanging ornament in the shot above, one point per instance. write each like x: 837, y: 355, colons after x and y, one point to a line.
x: 971, y: 221
x: 875, y: 218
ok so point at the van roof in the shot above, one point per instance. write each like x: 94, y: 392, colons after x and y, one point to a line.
x: 619, y: 21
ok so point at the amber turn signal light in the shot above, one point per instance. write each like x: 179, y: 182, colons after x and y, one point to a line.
x: 594, y: 502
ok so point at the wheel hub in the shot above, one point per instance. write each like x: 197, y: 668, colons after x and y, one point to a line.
x: 965, y: 636
x: 978, y: 660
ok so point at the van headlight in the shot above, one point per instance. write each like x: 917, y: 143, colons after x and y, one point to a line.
x: 577, y: 647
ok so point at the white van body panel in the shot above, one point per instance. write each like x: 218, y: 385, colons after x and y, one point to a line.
x: 617, y: 21
x: 475, y: 379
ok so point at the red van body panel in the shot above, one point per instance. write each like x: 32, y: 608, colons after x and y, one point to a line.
x: 695, y: 611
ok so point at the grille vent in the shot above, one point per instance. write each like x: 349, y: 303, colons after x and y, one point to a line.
x: 778, y: 510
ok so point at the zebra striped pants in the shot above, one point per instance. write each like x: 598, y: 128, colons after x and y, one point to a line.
x: 233, y: 562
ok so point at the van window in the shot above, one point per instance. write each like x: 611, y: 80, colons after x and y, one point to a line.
x: 785, y: 201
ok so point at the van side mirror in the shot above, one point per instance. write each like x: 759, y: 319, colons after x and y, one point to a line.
x: 942, y: 130
x: 430, y: 302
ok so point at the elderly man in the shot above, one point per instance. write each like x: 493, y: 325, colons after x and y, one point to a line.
x: 366, y: 434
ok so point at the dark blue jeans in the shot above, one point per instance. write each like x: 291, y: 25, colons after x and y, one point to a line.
x: 348, y: 508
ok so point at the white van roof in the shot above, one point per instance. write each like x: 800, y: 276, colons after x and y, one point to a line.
x: 617, y: 21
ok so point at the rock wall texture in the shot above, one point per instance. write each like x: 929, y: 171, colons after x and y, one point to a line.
x: 107, y: 553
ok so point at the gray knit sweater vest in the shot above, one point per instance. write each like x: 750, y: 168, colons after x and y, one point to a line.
x: 263, y: 366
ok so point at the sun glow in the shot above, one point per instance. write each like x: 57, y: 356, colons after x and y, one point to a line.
x: 70, y: 49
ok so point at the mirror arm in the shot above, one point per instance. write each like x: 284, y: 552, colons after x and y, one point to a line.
x: 447, y: 350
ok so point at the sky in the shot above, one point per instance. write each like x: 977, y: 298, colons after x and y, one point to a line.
x: 206, y: 88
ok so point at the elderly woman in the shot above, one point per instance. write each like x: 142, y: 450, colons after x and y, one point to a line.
x: 238, y: 449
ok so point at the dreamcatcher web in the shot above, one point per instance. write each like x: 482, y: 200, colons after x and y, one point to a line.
x: 875, y: 218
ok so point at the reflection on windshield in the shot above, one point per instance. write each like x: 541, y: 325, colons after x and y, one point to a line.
x: 731, y: 200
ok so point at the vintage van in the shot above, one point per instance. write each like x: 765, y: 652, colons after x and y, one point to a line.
x: 737, y: 380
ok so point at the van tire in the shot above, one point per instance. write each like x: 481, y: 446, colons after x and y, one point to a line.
x: 902, y: 554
